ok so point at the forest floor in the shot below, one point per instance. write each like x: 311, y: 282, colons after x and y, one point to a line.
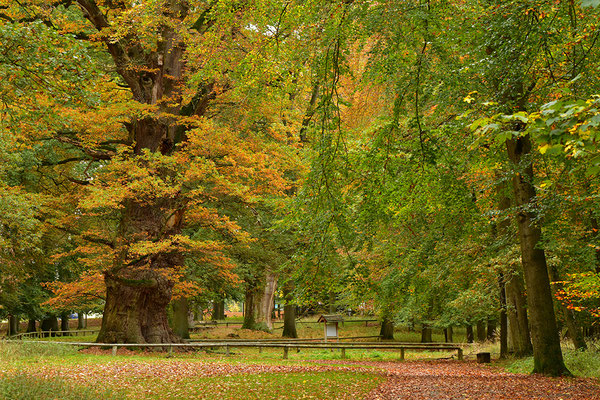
x: 45, y: 373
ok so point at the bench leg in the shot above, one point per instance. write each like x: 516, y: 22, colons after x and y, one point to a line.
x: 285, y: 353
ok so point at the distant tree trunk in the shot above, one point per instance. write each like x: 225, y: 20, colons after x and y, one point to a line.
x: 448, y: 335
x: 31, y: 326
x: 13, y: 325
x: 470, y: 336
x: 387, y: 329
x: 491, y: 329
x: 547, y: 353
x: 50, y: 324
x: 268, y: 300
x: 181, y: 310
x: 289, y: 314
x: 426, y: 334
x: 517, y: 316
x: 64, y: 322
x: 481, y: 333
x: 503, y: 318
x: 332, y: 306
x: 218, y: 312
x: 81, y: 320
x: 249, y: 320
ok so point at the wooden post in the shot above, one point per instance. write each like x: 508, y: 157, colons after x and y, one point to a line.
x: 227, y: 350
x: 402, y: 354
x: 285, y: 353
x: 460, y: 354
x: 114, y: 350
x: 170, y: 351
x: 260, y: 350
x: 343, y: 353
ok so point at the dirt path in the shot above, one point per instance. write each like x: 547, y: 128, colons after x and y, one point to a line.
x: 440, y: 380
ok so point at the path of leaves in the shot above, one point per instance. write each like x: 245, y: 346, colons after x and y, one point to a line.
x: 441, y: 380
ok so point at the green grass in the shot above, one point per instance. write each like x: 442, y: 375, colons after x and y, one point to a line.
x: 584, y: 364
x: 26, y: 373
x: 25, y: 387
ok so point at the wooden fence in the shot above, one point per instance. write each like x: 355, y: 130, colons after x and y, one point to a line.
x: 343, y: 347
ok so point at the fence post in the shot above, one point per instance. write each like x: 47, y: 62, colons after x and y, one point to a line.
x: 402, y: 354
x: 343, y: 352
x: 114, y: 350
x: 460, y: 354
x: 285, y: 353
x: 227, y: 350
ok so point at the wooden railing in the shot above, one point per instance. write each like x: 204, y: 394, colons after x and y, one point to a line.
x: 43, y: 334
x: 402, y: 347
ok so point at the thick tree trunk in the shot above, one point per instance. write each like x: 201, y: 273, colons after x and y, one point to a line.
x: 481, y: 333
x: 289, y: 314
x: 50, y: 324
x: 31, y: 326
x: 517, y: 316
x: 426, y: 334
x: 181, y: 325
x: 470, y: 336
x: 547, y: 353
x: 387, y: 329
x: 136, y: 313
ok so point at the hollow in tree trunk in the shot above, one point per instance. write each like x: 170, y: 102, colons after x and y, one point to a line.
x: 547, y: 354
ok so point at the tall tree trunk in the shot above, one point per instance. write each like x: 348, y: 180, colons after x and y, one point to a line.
x: 181, y: 310
x: 387, y: 329
x: 547, y: 353
x: 481, y: 333
x: 517, y: 316
x: 503, y: 318
x: 470, y: 336
x: 289, y: 314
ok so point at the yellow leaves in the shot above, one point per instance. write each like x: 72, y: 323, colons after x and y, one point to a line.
x: 470, y: 97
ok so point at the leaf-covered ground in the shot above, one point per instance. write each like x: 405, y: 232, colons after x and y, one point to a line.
x: 442, y: 380
x: 152, y: 376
